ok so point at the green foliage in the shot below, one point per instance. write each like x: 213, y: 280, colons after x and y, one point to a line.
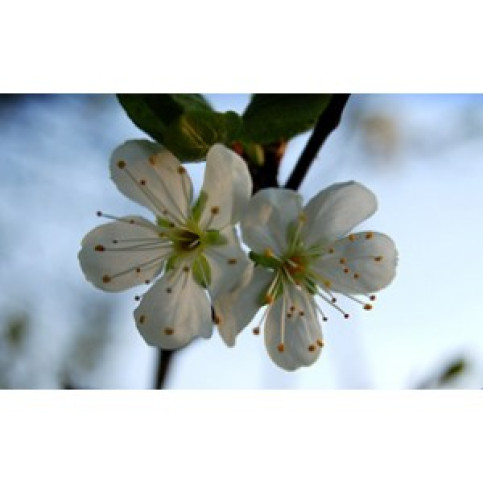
x: 274, y: 117
x: 184, y: 123
x: 188, y: 126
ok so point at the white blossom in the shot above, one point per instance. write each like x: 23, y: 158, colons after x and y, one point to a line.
x: 305, y: 255
x: 193, y: 246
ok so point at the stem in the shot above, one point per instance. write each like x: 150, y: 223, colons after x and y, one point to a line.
x: 326, y: 123
x: 164, y: 359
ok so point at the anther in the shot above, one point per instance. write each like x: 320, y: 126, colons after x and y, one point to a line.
x: 121, y: 164
x: 138, y: 270
x: 215, y: 210
x: 289, y: 314
x: 181, y: 170
x: 301, y: 313
x: 217, y: 319
x: 137, y: 298
x: 268, y: 298
x: 142, y: 319
x: 169, y: 331
x: 343, y: 261
x: 320, y: 342
x: 152, y: 160
x: 131, y: 221
x: 372, y: 297
x: 99, y: 248
x: 232, y: 261
x: 324, y: 318
x: 106, y: 278
x: 369, y: 235
x: 98, y: 213
x: 378, y: 259
x: 367, y: 307
x: 311, y: 348
x: 292, y: 308
x: 346, y: 316
x: 186, y: 269
x: 147, y: 282
x: 280, y: 347
x: 331, y: 250
x: 346, y: 270
x: 268, y: 252
x: 333, y: 300
x: 327, y: 283
x: 256, y: 330
x: 356, y: 275
x: 352, y: 237
x: 115, y: 241
x: 142, y: 182
x: 169, y: 290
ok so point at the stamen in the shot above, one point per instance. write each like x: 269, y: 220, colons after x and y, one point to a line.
x: 369, y: 235
x: 320, y: 342
x: 256, y: 330
x: 215, y: 210
x: 121, y: 164
x: 157, y: 203
x: 311, y: 348
x: 106, y: 278
x: 280, y: 347
x: 99, y: 248
x: 352, y: 237
x: 378, y: 259
x: 169, y: 331
x: 137, y: 298
x: 232, y: 261
x: 142, y: 319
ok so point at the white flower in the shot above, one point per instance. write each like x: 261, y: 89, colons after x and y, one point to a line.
x: 193, y: 246
x: 302, y: 253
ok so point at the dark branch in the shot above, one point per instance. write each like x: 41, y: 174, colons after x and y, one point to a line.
x: 164, y: 360
x: 326, y: 123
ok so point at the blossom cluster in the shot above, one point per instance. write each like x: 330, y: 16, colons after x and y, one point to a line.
x: 301, y: 257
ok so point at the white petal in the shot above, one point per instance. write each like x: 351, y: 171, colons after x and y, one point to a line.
x: 267, y: 218
x: 174, y: 311
x: 228, y: 185
x: 227, y: 263
x: 150, y: 175
x: 236, y: 309
x: 362, y: 263
x: 302, y: 336
x: 336, y: 210
x: 119, y: 255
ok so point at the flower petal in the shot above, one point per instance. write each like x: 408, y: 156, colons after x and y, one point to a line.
x: 227, y: 263
x: 150, y: 175
x: 227, y: 185
x: 119, y: 255
x: 174, y: 311
x: 267, y: 218
x: 336, y: 210
x: 235, y: 309
x: 294, y: 315
x: 361, y: 263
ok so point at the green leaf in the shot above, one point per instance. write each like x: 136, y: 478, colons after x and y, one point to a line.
x: 202, y: 271
x: 274, y: 117
x: 184, y: 123
x: 190, y: 135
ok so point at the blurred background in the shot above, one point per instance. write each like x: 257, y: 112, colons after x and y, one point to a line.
x: 420, y: 154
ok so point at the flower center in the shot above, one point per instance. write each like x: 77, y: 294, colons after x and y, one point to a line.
x: 184, y: 240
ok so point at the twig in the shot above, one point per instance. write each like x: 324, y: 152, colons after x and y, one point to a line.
x: 326, y: 123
